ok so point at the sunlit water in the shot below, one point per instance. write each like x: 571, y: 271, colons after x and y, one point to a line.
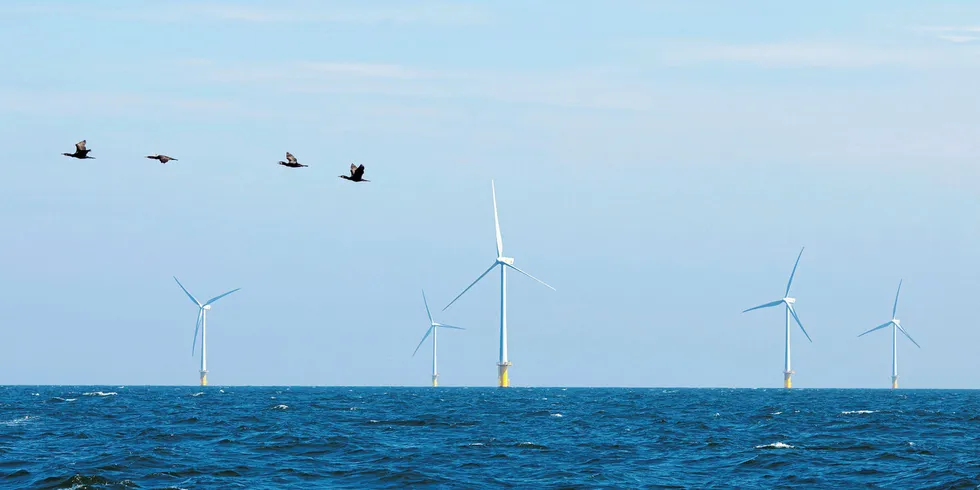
x: 234, y: 437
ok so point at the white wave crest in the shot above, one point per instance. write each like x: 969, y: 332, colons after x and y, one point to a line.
x: 16, y: 421
x: 858, y: 412
x: 557, y: 415
x: 280, y: 407
x: 776, y: 445
x: 100, y: 393
x: 199, y: 393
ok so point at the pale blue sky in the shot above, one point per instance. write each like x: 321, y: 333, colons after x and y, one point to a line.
x: 659, y: 162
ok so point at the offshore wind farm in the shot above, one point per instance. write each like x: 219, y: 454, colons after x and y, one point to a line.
x: 433, y: 330
x: 202, y: 326
x: 788, y: 302
x: 896, y: 326
x: 659, y: 163
x: 503, y: 361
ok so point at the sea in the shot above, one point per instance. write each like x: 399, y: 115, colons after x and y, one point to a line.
x: 78, y: 437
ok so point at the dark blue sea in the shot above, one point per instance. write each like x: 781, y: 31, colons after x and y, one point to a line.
x: 240, y: 437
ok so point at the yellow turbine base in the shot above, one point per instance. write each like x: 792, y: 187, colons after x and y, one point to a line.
x: 787, y: 380
x: 204, y: 379
x: 435, y: 381
x: 503, y: 380
x: 895, y: 382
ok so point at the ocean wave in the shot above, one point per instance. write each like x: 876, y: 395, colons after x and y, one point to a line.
x: 199, y: 393
x: 617, y: 438
x: 280, y: 407
x: 58, y: 399
x: 858, y: 412
x: 100, y: 393
x: 776, y: 445
x: 530, y: 445
x: 16, y: 421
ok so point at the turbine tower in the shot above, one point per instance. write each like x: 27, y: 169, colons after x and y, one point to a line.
x: 503, y: 379
x: 896, y: 327
x: 433, y: 328
x: 202, y: 325
x: 790, y: 311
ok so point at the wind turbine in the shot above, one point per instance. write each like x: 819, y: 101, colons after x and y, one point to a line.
x: 503, y: 380
x: 433, y: 328
x: 790, y: 311
x: 202, y: 325
x: 896, y: 327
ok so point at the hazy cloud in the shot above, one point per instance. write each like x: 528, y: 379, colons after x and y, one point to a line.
x: 447, y: 13
x: 954, y: 34
x: 589, y: 88
x: 793, y: 54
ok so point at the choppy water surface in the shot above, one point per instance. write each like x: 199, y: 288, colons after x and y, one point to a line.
x: 235, y: 437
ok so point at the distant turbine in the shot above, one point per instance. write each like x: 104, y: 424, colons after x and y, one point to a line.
x: 790, y: 311
x: 202, y: 325
x: 504, y: 262
x: 433, y: 327
x: 896, y: 327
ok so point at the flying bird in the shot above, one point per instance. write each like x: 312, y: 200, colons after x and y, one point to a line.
x: 291, y: 161
x: 162, y: 158
x: 80, y: 151
x: 356, y: 174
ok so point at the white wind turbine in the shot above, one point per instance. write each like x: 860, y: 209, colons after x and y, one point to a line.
x: 790, y: 311
x: 504, y: 263
x: 433, y: 329
x: 896, y: 327
x: 202, y: 325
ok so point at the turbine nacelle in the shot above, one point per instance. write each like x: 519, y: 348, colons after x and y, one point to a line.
x: 206, y: 307
x: 505, y: 260
x: 789, y: 300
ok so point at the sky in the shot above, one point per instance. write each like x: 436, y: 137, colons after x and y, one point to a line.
x: 660, y: 163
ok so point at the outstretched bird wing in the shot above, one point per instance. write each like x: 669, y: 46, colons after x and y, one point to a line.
x: 290, y: 158
x: 357, y: 172
x: 80, y: 146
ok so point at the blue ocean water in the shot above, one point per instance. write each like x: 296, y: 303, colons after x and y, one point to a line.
x: 252, y: 437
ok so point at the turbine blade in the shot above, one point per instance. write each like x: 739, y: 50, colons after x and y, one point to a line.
x: 767, y: 305
x: 197, y: 326
x: 471, y: 285
x: 529, y: 275
x: 189, y: 295
x: 427, y: 332
x: 426, y: 307
x: 895, y: 308
x: 907, y: 335
x: 216, y: 298
x: 440, y: 325
x: 879, y: 327
x: 790, y: 283
x: 798, y: 322
x: 496, y: 222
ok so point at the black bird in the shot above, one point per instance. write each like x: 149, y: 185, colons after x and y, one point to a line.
x: 356, y: 174
x: 291, y: 162
x: 80, y: 151
x: 162, y: 158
